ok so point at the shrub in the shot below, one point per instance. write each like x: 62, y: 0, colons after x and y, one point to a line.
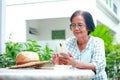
x: 13, y: 48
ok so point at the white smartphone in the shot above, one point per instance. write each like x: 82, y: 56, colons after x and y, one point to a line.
x: 61, y: 49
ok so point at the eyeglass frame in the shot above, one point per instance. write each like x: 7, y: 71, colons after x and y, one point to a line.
x: 79, y: 25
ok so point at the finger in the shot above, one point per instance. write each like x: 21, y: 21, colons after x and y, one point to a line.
x: 55, y: 59
x: 64, y: 55
x: 70, y: 54
x: 55, y: 55
x: 63, y: 61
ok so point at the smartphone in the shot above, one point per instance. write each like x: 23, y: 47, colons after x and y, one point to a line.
x: 62, y: 50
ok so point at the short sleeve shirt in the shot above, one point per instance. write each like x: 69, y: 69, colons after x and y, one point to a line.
x: 94, y: 52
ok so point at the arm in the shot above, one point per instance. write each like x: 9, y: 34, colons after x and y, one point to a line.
x: 98, y: 58
x: 82, y: 65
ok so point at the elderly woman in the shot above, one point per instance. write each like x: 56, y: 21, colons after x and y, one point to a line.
x: 85, y: 51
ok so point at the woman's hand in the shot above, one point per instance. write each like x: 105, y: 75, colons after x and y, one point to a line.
x: 55, y: 59
x: 67, y: 59
x: 63, y: 58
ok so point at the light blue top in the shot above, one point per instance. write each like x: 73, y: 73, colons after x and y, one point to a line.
x: 93, y: 53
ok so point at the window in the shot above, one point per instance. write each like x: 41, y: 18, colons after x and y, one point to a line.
x: 112, y: 4
x: 115, y: 8
x: 58, y: 34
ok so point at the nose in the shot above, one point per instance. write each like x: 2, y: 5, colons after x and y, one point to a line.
x: 76, y: 27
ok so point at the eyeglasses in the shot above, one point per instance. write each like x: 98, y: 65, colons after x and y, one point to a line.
x: 79, y: 25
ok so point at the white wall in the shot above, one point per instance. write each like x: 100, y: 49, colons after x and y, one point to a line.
x: 106, y: 20
x: 2, y: 26
x: 107, y: 17
x: 44, y: 28
x: 18, y: 14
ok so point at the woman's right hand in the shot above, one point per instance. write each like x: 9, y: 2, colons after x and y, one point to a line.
x: 55, y: 59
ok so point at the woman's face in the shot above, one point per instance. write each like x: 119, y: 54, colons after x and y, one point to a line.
x: 78, y: 27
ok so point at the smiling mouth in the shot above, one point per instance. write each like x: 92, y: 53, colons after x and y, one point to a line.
x: 78, y: 32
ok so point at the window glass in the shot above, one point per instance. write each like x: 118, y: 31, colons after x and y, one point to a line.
x: 58, y: 34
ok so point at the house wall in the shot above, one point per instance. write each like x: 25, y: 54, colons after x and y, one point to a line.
x: 17, y: 14
x: 2, y: 26
x: 106, y: 16
x: 20, y: 15
x: 44, y: 28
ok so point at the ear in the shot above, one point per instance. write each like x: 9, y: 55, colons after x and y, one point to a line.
x: 88, y: 31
